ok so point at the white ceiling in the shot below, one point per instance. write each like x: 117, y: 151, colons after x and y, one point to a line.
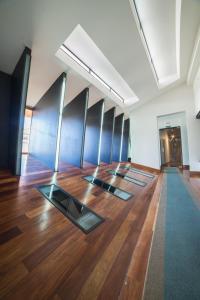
x: 44, y: 25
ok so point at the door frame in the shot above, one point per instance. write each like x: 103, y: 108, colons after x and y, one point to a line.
x: 170, y: 127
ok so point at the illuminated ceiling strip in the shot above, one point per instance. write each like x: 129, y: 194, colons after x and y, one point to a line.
x: 145, y: 40
x: 75, y: 58
x: 117, y: 95
x: 90, y: 71
x: 100, y: 80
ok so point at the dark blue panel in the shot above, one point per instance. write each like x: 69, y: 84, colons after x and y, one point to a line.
x: 117, y: 137
x: 125, y: 140
x: 93, y: 130
x: 107, y: 136
x: 19, y: 87
x: 5, y: 85
x: 45, y: 121
x: 73, y: 130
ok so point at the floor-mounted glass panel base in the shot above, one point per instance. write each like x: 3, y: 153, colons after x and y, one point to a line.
x: 137, y: 171
x: 128, y: 178
x: 109, y: 188
x: 79, y: 214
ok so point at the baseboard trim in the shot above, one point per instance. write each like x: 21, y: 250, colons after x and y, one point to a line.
x: 146, y: 168
x: 194, y: 173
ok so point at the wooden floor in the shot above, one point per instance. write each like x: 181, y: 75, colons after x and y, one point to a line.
x: 44, y: 256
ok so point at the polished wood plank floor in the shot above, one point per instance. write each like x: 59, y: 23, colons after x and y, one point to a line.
x: 44, y: 256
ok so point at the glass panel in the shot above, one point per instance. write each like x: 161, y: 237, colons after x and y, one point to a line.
x: 128, y: 178
x: 137, y: 171
x: 78, y: 213
x: 109, y: 188
x: 97, y: 182
x: 121, y: 194
x: 106, y: 186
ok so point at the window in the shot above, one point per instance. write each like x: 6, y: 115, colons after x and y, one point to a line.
x: 27, y: 130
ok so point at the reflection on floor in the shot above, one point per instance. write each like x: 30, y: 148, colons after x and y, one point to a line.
x: 103, y: 163
x: 31, y: 166
x: 87, y: 165
x: 68, y: 168
x: 44, y: 255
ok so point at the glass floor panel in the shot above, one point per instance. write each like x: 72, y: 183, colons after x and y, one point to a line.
x: 137, y: 171
x: 128, y: 178
x: 123, y: 195
x: 78, y: 213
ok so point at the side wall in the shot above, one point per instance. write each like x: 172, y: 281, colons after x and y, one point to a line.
x: 45, y: 121
x: 19, y: 88
x: 5, y: 86
x: 144, y: 132
x: 196, y: 86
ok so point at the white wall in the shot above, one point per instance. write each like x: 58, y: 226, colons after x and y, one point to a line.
x: 196, y: 86
x: 145, y: 148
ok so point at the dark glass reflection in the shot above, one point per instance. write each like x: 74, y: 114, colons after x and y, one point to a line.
x: 78, y: 213
x: 137, y: 171
x: 128, y: 178
x: 109, y: 188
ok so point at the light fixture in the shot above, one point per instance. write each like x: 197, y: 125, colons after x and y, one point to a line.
x: 74, y: 57
x: 90, y: 71
x: 100, y: 80
x: 117, y: 95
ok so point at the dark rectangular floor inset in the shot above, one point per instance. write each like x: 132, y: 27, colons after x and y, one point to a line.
x: 128, y: 178
x: 9, y: 234
x: 137, y: 171
x: 78, y: 213
x: 123, y: 195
